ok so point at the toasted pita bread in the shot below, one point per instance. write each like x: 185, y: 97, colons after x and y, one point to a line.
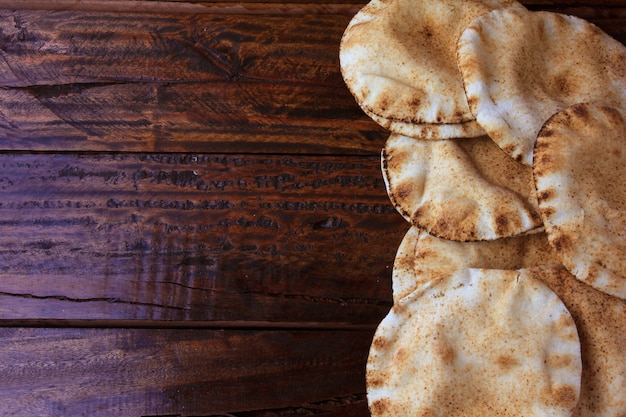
x: 477, y: 340
x: 422, y: 257
x: 398, y: 58
x: 465, y: 189
x: 520, y: 67
x: 580, y: 174
x: 601, y: 323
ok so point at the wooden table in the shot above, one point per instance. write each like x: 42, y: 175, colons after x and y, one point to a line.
x: 192, y: 216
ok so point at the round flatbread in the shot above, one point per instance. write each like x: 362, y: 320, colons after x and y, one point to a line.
x: 580, y: 175
x: 422, y: 257
x: 398, y: 59
x: 459, y: 189
x: 601, y: 323
x: 520, y: 67
x: 477, y: 340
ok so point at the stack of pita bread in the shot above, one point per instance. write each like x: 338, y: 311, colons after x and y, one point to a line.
x: 507, y: 156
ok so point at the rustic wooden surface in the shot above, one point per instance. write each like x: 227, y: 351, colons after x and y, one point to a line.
x: 192, y: 217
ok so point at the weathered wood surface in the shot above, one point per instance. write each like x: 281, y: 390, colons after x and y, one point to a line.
x: 150, y: 372
x: 208, y: 83
x: 192, y: 217
x: 195, y: 237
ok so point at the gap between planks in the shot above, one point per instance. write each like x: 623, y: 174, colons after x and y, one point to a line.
x: 234, y: 7
x: 129, y: 6
x: 181, y: 324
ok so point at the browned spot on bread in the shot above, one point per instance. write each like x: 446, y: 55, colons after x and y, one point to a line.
x: 580, y: 111
x: 472, y: 101
x: 381, y: 406
x: 417, y: 214
x: 561, y: 243
x: 545, y: 195
x: 427, y: 32
x: 544, y: 133
x: 403, y: 191
x: 506, y: 361
x: 562, y: 85
x: 565, y: 396
x: 446, y: 353
x: 402, y: 356
x: 548, y: 212
x: 442, y: 225
x: 379, y: 343
x: 502, y: 223
x: 416, y: 102
x: 613, y: 115
x: 559, y: 361
x: 384, y: 159
x: 544, y: 159
x: 375, y: 382
x: 425, y: 254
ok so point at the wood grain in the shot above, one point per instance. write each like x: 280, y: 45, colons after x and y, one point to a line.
x: 192, y: 217
x: 211, y: 83
x: 148, y: 372
x: 217, y: 117
x: 191, y: 236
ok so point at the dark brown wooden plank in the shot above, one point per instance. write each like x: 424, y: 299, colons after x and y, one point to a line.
x: 278, y: 7
x: 44, y: 47
x: 195, y: 237
x: 237, y: 7
x: 147, y: 372
x: 211, y: 83
x: 199, y: 117
x: 349, y: 406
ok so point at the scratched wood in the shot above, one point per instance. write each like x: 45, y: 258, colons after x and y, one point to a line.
x: 190, y: 236
x: 148, y: 372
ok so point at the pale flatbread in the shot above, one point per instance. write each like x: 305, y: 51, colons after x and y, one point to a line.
x: 398, y: 59
x: 422, y: 257
x: 580, y: 174
x: 429, y: 130
x: 520, y: 67
x: 479, y: 342
x: 601, y: 323
x: 459, y: 189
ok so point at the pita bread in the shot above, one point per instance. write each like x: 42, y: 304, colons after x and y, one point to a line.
x: 520, y: 67
x: 601, y: 323
x: 476, y: 340
x: 429, y: 130
x: 398, y: 59
x: 459, y: 189
x: 580, y: 174
x: 423, y: 257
